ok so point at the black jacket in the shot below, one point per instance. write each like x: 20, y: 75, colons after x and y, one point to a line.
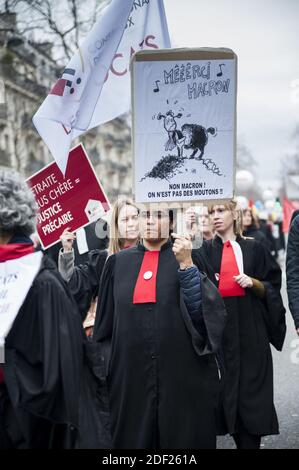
x: 162, y: 375
x: 44, y: 360
x: 293, y: 270
x: 251, y: 324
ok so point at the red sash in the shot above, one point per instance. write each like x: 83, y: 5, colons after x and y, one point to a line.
x: 228, y: 287
x: 145, y: 288
x: 14, y: 251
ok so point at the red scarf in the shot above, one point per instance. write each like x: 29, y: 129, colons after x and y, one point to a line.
x: 7, y: 253
x: 14, y: 251
x: 145, y: 288
x: 228, y: 286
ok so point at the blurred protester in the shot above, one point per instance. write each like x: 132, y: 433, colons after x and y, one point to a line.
x: 40, y: 380
x: 84, y: 280
x: 205, y: 225
x: 159, y: 325
x: 251, y: 227
x: 249, y: 280
x: 266, y: 228
x: 191, y: 223
x: 292, y: 270
x: 198, y: 225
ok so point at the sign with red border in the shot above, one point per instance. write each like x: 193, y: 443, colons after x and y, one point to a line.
x: 71, y: 201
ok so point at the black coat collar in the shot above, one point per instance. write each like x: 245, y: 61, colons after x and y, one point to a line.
x: 164, y: 247
x: 20, y: 238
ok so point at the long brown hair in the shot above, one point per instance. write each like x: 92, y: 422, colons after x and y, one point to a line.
x: 254, y: 219
x: 116, y: 243
x: 232, y: 206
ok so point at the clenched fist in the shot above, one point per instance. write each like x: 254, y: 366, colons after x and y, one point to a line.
x: 67, y: 239
x: 244, y: 281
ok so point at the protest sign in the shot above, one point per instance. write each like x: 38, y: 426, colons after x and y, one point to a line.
x: 184, y: 124
x: 16, y: 278
x: 70, y: 202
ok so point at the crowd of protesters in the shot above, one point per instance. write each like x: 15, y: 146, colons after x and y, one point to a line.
x: 153, y: 339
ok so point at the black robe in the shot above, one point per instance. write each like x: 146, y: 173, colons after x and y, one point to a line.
x: 162, y: 375
x: 43, y: 368
x: 256, y: 234
x: 85, y: 280
x: 246, y: 354
x: 53, y: 396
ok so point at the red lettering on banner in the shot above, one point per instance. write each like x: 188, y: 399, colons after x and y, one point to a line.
x: 115, y: 69
x: 73, y: 200
x: 149, y: 44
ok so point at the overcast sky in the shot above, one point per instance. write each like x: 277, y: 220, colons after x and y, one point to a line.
x: 265, y: 36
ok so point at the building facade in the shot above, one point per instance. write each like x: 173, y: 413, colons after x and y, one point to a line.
x: 27, y: 72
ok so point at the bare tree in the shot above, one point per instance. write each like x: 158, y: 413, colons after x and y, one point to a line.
x: 62, y: 22
x: 245, y: 159
x: 290, y: 162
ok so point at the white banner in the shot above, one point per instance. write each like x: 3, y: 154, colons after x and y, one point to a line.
x: 184, y: 126
x: 16, y: 278
x: 146, y: 29
x: 95, y: 86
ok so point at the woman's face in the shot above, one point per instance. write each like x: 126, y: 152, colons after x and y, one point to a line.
x: 222, y: 219
x: 247, y: 219
x: 154, y: 225
x: 128, y: 222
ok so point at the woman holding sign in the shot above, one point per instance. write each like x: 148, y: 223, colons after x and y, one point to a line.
x: 158, y: 326
x: 84, y: 280
x: 249, y: 281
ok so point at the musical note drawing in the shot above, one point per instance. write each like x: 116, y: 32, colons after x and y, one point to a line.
x: 219, y: 74
x: 156, y: 89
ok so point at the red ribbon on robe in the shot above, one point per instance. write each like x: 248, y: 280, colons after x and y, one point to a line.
x: 7, y: 253
x: 145, y: 289
x: 15, y: 250
x: 228, y: 287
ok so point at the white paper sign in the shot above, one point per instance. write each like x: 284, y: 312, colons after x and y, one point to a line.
x: 81, y: 241
x: 16, y: 278
x: 184, y: 129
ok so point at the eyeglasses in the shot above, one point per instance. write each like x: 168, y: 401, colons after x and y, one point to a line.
x: 157, y: 215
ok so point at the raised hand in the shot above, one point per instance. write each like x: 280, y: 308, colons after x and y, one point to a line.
x: 182, y: 249
x: 67, y: 239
